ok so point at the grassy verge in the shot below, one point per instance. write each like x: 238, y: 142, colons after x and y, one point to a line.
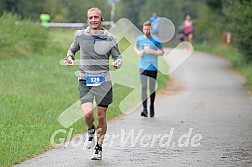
x: 35, y: 90
x: 236, y: 59
x: 20, y: 38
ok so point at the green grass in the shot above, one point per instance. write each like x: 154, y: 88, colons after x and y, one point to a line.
x: 236, y: 59
x: 20, y: 39
x: 36, y: 89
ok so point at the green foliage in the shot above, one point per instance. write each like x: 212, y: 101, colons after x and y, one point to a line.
x: 209, y: 26
x: 60, y: 10
x: 19, y: 38
x: 239, y: 15
x: 140, y: 11
x: 191, y: 7
x: 32, y: 92
x: 162, y: 8
x: 234, y: 16
x: 74, y: 11
x: 215, y: 5
x: 2, y: 7
x: 130, y: 9
x: 24, y: 9
x: 247, y: 72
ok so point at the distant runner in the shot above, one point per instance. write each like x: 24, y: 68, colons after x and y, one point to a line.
x: 148, y: 49
x: 188, y: 29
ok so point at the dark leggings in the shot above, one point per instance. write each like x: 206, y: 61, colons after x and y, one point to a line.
x: 151, y: 76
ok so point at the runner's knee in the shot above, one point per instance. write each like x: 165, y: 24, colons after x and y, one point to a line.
x: 102, y: 119
x: 88, y: 115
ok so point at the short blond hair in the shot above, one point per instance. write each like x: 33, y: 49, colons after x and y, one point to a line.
x: 94, y: 9
x: 147, y: 23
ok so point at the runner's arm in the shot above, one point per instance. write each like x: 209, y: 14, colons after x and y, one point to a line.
x: 71, y: 52
x: 116, y: 55
x: 73, y: 49
x: 158, y: 52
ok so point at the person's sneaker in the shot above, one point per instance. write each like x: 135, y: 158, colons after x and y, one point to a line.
x: 152, y: 113
x: 144, y: 113
x: 97, y: 153
x: 90, y: 142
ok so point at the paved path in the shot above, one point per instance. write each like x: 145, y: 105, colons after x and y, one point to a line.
x: 213, y: 104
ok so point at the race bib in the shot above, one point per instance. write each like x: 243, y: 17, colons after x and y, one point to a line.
x: 94, y: 80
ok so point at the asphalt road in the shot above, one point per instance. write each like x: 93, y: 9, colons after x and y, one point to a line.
x: 207, y: 123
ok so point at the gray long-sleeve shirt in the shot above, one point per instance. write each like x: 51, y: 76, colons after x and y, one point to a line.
x: 94, y: 51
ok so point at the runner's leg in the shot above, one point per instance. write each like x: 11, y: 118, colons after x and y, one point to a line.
x: 152, y: 83
x: 102, y: 124
x: 87, y: 109
x: 143, y: 79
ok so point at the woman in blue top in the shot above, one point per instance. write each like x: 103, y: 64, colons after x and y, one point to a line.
x: 148, y: 48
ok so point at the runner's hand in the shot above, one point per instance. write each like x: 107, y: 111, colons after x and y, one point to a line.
x: 117, y: 63
x: 140, y: 53
x: 68, y: 61
x: 148, y: 51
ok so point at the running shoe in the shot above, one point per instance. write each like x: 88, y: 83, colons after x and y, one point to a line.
x: 97, y: 153
x: 144, y: 113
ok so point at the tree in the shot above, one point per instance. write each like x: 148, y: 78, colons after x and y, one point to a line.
x: 60, y: 10
x: 215, y: 5
x: 130, y: 9
x: 239, y: 15
x: 25, y: 9
x: 209, y: 26
x: 163, y: 8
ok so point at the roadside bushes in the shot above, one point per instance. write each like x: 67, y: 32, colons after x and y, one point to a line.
x: 20, y: 37
x: 239, y: 14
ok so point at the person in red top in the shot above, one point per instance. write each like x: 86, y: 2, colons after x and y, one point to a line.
x: 188, y: 29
